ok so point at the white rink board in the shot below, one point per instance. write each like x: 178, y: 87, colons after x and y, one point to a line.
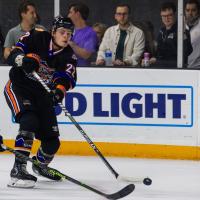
x: 143, y: 106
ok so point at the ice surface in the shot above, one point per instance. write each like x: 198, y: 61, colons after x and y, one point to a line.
x: 172, y: 179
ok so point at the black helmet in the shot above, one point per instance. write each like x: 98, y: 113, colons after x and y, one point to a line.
x: 65, y: 22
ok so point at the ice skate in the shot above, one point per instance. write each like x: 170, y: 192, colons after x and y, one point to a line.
x: 46, y: 172
x: 20, y: 178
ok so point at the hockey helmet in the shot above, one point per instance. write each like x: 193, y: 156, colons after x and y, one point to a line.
x: 65, y: 22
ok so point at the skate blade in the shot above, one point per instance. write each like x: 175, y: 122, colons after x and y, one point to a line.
x: 19, y: 183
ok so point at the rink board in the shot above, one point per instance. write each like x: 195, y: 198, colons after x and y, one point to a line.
x: 126, y: 112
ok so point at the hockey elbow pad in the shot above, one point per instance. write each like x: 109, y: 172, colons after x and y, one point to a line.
x: 62, y: 78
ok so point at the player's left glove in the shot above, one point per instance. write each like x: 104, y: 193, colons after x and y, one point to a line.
x: 30, y: 63
x: 1, y: 142
x: 58, y: 96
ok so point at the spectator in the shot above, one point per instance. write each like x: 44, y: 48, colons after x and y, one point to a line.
x: 167, y: 38
x: 100, y: 29
x: 1, y: 39
x: 150, y: 42
x: 125, y: 40
x: 84, y: 41
x: 1, y: 46
x: 192, y: 19
x: 28, y: 18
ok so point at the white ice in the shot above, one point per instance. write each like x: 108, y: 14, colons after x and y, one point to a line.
x: 172, y: 179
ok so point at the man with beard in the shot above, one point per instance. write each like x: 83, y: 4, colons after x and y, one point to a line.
x: 124, y: 40
x: 192, y: 19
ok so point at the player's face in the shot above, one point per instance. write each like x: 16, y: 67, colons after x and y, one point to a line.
x: 168, y: 17
x: 30, y: 16
x: 122, y: 15
x: 62, y: 36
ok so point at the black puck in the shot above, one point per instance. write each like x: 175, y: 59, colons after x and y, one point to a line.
x: 147, y: 181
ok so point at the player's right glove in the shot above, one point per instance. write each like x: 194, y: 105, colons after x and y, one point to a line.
x: 31, y: 62
x: 1, y: 142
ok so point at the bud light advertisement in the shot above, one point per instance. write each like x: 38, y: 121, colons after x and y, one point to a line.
x: 130, y: 105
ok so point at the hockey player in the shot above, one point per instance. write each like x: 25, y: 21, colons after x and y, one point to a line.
x: 33, y: 108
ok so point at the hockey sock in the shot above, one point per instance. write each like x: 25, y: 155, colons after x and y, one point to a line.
x: 47, y: 150
x: 23, y: 143
x: 43, y: 157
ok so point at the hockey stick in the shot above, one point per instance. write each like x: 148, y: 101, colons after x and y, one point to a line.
x: 146, y: 181
x: 118, y: 195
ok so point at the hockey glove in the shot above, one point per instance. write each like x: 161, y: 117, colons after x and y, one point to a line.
x: 30, y: 63
x: 58, y: 96
x: 1, y: 142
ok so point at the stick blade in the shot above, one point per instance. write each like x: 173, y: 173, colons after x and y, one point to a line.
x: 122, y: 193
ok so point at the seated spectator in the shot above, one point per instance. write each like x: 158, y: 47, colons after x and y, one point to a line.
x: 167, y: 38
x: 150, y: 42
x: 28, y: 18
x: 192, y: 20
x: 84, y: 41
x: 1, y: 46
x: 125, y: 40
x: 100, y: 29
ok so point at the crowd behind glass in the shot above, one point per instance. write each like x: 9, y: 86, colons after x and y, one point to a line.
x: 127, y: 43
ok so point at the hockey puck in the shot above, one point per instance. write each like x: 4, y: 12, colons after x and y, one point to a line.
x: 147, y: 181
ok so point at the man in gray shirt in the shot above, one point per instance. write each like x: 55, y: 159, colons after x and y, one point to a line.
x: 28, y: 18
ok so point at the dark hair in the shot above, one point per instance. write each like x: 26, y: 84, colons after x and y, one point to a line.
x: 149, y: 26
x: 168, y: 5
x: 123, y: 5
x: 81, y: 8
x: 23, y: 7
x: 193, y: 2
